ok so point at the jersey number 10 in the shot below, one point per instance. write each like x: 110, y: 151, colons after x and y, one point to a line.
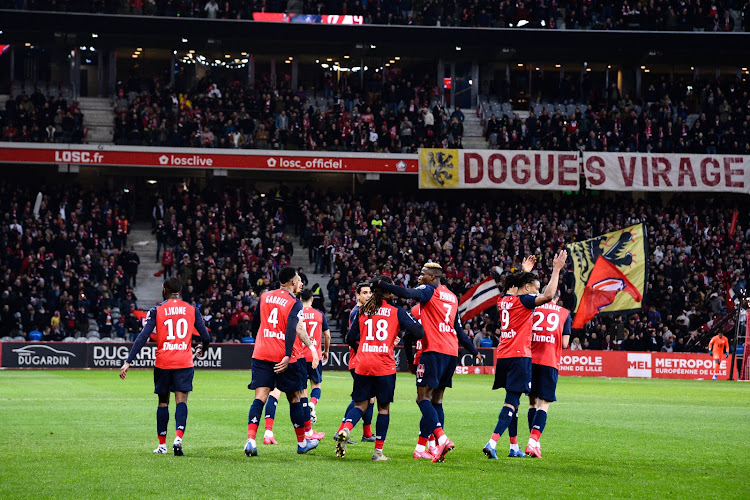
x: 182, y: 328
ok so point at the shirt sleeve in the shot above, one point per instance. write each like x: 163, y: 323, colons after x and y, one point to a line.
x: 567, y: 327
x: 410, y: 325
x: 353, y: 315
x: 291, y: 327
x: 422, y: 293
x: 325, y: 323
x: 352, y: 336
x: 142, y: 337
x: 463, y: 339
x: 200, y: 326
x: 528, y: 301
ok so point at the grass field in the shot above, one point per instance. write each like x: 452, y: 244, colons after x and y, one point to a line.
x: 87, y: 434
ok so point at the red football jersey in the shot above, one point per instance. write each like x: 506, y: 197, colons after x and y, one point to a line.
x: 313, y: 320
x: 438, y: 317
x: 377, y: 336
x: 275, y: 307
x: 515, y: 328
x: 174, y: 330
x: 417, y: 313
x: 548, y: 323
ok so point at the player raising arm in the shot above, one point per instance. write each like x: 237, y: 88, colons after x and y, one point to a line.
x: 174, y: 322
x: 513, y: 368
x: 373, y: 334
x: 443, y: 334
x: 550, y: 335
x: 273, y: 364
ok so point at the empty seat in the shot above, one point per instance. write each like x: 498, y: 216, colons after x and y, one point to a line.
x: 69, y: 339
x: 19, y: 338
x: 6, y: 339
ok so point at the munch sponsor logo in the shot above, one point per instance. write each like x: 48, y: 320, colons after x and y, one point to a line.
x: 39, y: 355
x: 639, y: 364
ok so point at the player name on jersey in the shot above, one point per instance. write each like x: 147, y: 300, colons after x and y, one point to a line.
x: 447, y: 296
x: 175, y: 311
x: 275, y: 299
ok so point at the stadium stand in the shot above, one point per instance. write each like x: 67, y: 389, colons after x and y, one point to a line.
x: 664, y: 15
x: 41, y: 113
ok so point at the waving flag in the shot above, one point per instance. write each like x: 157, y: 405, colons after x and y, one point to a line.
x: 604, y: 283
x: 478, y: 298
x: 626, y: 254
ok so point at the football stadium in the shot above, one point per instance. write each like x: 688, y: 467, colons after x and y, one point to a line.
x: 501, y: 245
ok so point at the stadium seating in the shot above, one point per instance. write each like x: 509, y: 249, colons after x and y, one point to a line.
x: 668, y: 15
x: 41, y: 113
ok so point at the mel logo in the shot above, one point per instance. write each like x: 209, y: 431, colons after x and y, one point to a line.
x: 639, y: 364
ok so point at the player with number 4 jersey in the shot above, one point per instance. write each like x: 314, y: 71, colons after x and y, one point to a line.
x: 373, y: 335
x: 174, y: 322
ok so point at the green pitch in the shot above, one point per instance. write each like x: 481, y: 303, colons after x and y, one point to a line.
x: 87, y: 434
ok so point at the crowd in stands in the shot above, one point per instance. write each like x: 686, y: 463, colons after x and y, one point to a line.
x: 391, y: 117
x: 227, y: 248
x: 692, y: 262
x: 65, y: 266
x: 659, y: 123
x: 38, y: 118
x: 655, y: 15
x: 67, y: 270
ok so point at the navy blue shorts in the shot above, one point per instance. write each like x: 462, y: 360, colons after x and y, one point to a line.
x: 514, y: 374
x: 168, y: 380
x: 293, y: 379
x: 373, y: 386
x: 543, y: 382
x: 314, y: 375
x: 436, y: 370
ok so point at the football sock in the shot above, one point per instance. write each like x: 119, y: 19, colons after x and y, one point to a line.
x: 540, y: 420
x: 162, y: 421
x: 513, y: 430
x: 352, y: 417
x: 381, y: 429
x: 306, y: 413
x: 431, y: 441
x: 421, y: 444
x: 440, y: 436
x: 503, y: 421
x: 348, y: 409
x: 315, y: 396
x: 429, y: 418
x: 180, y: 417
x: 297, y: 415
x: 532, y: 412
x: 367, y: 421
x: 271, y: 405
x: 253, y: 417
x: 439, y: 410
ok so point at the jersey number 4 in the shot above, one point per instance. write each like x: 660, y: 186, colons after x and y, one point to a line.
x: 181, y: 330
